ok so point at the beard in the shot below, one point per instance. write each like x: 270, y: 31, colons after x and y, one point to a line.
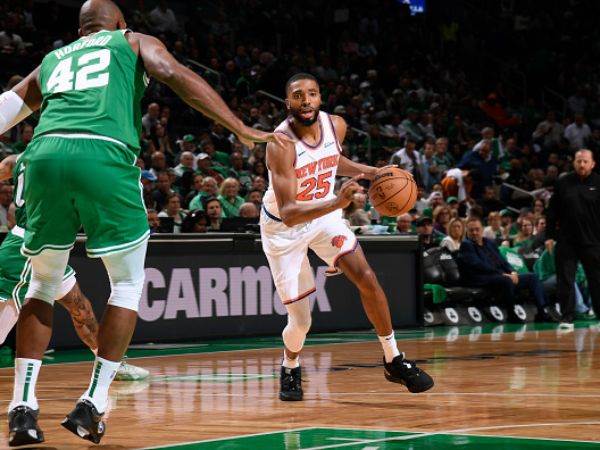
x: 297, y: 115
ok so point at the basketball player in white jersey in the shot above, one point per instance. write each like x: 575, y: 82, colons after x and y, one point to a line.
x: 301, y: 211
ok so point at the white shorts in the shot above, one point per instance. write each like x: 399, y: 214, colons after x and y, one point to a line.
x: 287, y: 249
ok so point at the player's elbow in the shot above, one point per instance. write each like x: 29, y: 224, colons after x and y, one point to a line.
x: 287, y: 216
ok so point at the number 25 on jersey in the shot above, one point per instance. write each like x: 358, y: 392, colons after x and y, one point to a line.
x: 90, y: 72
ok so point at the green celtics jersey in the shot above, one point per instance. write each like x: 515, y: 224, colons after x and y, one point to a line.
x: 93, y: 85
x: 18, y: 175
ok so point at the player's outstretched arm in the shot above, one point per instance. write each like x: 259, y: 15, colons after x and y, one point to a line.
x: 347, y: 167
x: 280, y: 160
x: 6, y: 167
x: 20, y: 101
x: 196, y: 92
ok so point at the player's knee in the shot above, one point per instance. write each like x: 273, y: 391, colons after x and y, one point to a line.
x: 127, y: 293
x: 44, y: 288
x: 368, y: 281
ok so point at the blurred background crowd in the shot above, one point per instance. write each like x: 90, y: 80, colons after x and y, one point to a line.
x: 454, y: 95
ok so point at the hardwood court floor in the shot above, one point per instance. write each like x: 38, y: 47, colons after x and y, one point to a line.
x: 491, y: 382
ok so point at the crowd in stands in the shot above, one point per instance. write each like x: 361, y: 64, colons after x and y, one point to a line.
x: 410, y: 98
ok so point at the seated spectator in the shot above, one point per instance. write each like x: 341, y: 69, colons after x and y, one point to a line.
x: 206, y: 169
x: 208, y: 189
x: 441, y: 219
x: 495, y: 111
x: 220, y: 159
x: 163, y: 19
x: 26, y: 136
x: 195, y: 222
x: 404, y: 224
x: 163, y: 190
x: 409, y: 159
x: 428, y: 237
x: 160, y: 142
x: 238, y: 172
x: 148, y: 179
x: 255, y: 196
x: 494, y: 230
x: 195, y: 189
x: 153, y: 221
x: 523, y: 241
x: 355, y: 212
x: 441, y: 158
x: 508, y: 225
x: 186, y: 163
x: 173, y: 209
x: 150, y: 119
x: 249, y: 211
x: 259, y: 183
x: 578, y: 133
x: 259, y: 169
x: 10, y: 42
x: 490, y: 201
x: 229, y: 198
x: 456, y: 234
x: 549, y: 132
x: 158, y: 163
x: 539, y: 208
x: 482, y: 265
x: 213, y: 209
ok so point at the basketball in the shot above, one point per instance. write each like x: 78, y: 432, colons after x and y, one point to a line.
x: 393, y: 191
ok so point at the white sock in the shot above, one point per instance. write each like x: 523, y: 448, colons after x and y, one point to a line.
x: 26, y: 373
x: 290, y: 363
x: 102, y: 375
x: 390, y: 348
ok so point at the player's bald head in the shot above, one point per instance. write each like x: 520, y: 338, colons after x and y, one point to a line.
x: 96, y: 15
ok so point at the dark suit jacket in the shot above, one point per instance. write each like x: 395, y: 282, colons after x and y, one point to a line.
x: 475, y: 265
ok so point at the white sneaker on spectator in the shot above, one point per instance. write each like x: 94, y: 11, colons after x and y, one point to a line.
x: 129, y: 372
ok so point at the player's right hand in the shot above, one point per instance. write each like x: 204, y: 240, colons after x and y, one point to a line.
x: 347, y: 191
x: 252, y: 135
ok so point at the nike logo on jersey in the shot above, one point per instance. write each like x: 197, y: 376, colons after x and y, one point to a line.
x: 301, y: 153
x: 328, y: 144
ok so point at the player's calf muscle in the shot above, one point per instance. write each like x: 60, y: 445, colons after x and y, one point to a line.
x: 82, y: 315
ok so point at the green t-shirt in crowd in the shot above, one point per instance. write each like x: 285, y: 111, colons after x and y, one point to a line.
x: 231, y: 209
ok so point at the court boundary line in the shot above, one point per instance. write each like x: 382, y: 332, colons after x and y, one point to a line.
x: 410, y: 434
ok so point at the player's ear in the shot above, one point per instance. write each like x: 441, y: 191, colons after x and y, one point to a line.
x: 287, y: 104
x: 121, y: 24
x: 79, y: 32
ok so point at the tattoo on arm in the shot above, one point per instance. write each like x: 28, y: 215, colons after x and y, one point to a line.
x: 83, y: 316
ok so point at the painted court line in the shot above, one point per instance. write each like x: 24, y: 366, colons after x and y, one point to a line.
x: 291, y: 430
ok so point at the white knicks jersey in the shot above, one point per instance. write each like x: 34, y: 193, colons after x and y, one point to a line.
x: 315, y: 166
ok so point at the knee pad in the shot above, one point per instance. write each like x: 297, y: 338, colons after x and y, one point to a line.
x: 47, y: 270
x: 126, y: 272
x: 66, y: 286
x: 126, y: 294
x: 299, y: 322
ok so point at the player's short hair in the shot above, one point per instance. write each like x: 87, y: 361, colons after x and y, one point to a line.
x: 299, y: 76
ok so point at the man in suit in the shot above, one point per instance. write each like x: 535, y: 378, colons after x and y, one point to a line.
x: 482, y: 265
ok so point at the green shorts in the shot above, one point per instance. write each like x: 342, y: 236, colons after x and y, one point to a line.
x: 15, y: 270
x: 74, y: 180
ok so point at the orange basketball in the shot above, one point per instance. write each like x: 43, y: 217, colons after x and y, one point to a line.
x: 393, y: 191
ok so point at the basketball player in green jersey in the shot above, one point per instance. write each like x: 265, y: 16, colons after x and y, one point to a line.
x: 80, y: 171
x: 15, y: 271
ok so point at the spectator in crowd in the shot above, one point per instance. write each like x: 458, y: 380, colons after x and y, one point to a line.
x: 255, y: 196
x: 523, y: 241
x: 158, y: 163
x: 578, y: 133
x: 238, y: 172
x: 163, y: 190
x: 429, y: 170
x: 160, y: 141
x: 404, y: 224
x: 195, y: 189
x: 249, y: 210
x: 428, y: 237
x: 10, y: 42
x: 206, y: 168
x: 483, y: 163
x: 26, y: 136
x: 490, y: 201
x: 259, y: 184
x: 494, y: 230
x: 456, y: 234
x: 213, y: 209
x: 153, y: 221
x: 409, y: 159
x: 208, y: 189
x: 549, y: 132
x: 196, y: 221
x: 6, y: 192
x: 355, y: 212
x: 151, y: 118
x: 186, y: 164
x: 441, y: 219
x: 539, y: 208
x: 220, y: 159
x: 442, y: 160
x: 481, y: 264
x: 163, y: 20
x: 148, y: 181
x: 173, y: 210
x: 229, y: 198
